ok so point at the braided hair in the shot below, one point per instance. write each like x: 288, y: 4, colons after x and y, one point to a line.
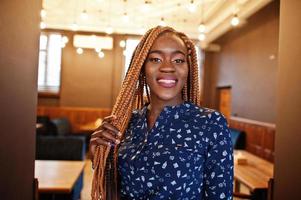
x: 131, y: 97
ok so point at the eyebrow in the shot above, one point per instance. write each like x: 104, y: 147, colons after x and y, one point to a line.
x: 174, y: 52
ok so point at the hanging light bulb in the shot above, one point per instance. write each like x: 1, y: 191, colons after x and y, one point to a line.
x: 202, y: 37
x: 65, y: 39
x: 162, y: 22
x: 235, y: 20
x: 79, y: 51
x: 84, y: 15
x: 98, y: 49
x: 109, y: 30
x: 43, y: 13
x: 101, y: 54
x: 125, y: 17
x: 122, y: 43
x: 42, y: 25
x: 146, y: 6
x: 191, y: 6
x: 202, y: 28
x: 74, y: 27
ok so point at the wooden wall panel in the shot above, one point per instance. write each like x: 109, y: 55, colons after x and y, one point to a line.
x: 76, y: 115
x: 260, y: 137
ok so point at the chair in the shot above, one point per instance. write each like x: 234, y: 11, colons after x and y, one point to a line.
x: 63, y: 126
x: 48, y: 127
x: 238, y: 138
x: 64, y: 129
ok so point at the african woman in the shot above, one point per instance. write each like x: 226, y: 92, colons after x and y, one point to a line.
x: 166, y: 145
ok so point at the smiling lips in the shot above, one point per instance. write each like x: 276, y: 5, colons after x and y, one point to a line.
x: 167, y: 82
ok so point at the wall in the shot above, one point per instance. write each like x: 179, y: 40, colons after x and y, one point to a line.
x: 87, y: 80
x: 288, y: 154
x: 244, y: 64
x: 19, y: 35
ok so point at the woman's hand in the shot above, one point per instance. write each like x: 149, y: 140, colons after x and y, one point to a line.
x: 106, y: 134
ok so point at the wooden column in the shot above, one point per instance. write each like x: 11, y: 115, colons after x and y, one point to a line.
x: 19, y: 47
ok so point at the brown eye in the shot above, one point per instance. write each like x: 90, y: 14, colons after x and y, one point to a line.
x: 179, y: 61
x: 155, y: 60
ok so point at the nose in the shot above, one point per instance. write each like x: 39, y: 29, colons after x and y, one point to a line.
x: 167, y: 67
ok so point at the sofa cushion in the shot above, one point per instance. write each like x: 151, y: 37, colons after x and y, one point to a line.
x: 60, y: 148
x: 238, y: 138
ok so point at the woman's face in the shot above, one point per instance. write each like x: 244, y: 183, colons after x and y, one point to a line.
x: 166, y: 68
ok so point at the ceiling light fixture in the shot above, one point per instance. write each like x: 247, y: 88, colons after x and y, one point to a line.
x: 162, y: 22
x: 235, y: 20
x: 65, y: 39
x: 43, y: 13
x: 109, y: 30
x: 122, y: 44
x: 202, y: 28
x: 146, y: 6
x: 125, y: 17
x: 42, y: 25
x: 79, y: 51
x: 202, y: 37
x: 101, y: 54
x: 74, y: 27
x: 84, y: 15
x: 98, y: 49
x: 191, y: 6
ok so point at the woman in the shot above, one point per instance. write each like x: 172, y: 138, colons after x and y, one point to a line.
x: 169, y: 147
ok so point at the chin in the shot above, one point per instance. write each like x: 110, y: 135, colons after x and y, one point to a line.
x: 167, y: 96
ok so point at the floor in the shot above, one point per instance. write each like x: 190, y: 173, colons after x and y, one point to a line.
x: 88, y: 173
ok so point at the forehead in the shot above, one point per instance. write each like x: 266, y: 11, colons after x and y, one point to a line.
x: 169, y: 40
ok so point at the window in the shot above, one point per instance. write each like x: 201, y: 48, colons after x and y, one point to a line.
x: 129, y: 50
x: 49, y: 74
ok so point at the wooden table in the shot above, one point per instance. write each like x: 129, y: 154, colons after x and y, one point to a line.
x: 56, y: 176
x: 255, y: 174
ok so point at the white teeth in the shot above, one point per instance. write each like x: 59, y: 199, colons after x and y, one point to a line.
x: 166, y: 81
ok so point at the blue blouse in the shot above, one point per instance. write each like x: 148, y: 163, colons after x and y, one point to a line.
x: 186, y: 155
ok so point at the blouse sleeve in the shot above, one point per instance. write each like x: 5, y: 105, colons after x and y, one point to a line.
x: 218, y: 171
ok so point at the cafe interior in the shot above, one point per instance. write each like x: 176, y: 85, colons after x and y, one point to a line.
x: 63, y: 62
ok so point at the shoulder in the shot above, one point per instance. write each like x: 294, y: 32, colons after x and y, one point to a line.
x: 209, y: 116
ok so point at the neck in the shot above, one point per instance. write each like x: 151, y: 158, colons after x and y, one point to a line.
x: 157, y: 105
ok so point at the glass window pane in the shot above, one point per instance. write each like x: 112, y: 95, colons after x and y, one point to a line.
x: 42, y: 68
x: 129, y: 50
x: 54, y: 60
x: 43, y: 42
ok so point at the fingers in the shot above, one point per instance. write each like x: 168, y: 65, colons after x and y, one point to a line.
x: 106, y: 135
x: 109, y: 118
x: 112, y: 129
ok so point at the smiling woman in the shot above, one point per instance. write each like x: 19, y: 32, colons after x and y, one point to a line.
x: 165, y: 145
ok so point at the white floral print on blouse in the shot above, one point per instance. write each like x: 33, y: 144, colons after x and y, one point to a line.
x: 186, y: 155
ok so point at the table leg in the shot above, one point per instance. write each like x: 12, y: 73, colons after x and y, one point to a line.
x: 236, y: 186
x: 259, y: 194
